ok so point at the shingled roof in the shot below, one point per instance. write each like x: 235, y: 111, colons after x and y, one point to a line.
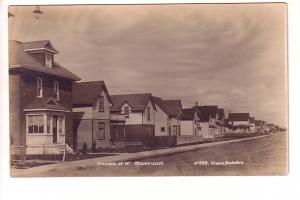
x: 170, y: 107
x: 137, y: 102
x: 42, y: 103
x: 20, y: 58
x: 188, y: 114
x: 205, y: 112
x: 36, y: 45
x: 86, y: 93
x: 238, y: 116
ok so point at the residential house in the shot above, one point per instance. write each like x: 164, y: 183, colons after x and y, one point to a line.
x: 139, y: 111
x: 260, y: 126
x: 91, y: 115
x: 239, y: 122
x: 221, y: 121
x: 252, y: 125
x: 40, y: 99
x: 190, y: 122
x: 167, y: 114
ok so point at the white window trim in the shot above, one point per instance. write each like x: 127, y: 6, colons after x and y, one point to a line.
x: 56, y: 86
x: 37, y: 90
x: 50, y: 60
x: 45, y: 124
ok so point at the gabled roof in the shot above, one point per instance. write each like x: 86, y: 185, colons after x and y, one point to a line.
x: 188, y: 114
x: 137, y: 102
x: 205, y: 112
x: 43, y: 44
x: 86, y: 93
x: 19, y: 59
x: 238, y: 116
x: 170, y: 107
x: 42, y: 103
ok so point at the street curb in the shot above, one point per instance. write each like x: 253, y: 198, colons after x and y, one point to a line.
x: 92, y: 163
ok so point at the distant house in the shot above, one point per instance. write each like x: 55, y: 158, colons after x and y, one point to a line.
x: 167, y: 120
x: 190, y: 122
x: 221, y: 121
x: 40, y: 99
x: 91, y: 114
x: 139, y: 111
x: 260, y: 126
x: 212, y: 121
x: 252, y: 125
x: 239, y: 122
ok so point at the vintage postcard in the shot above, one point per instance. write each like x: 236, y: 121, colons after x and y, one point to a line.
x: 148, y: 90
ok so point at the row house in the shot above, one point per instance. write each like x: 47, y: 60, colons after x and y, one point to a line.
x: 40, y: 99
x: 239, y: 122
x: 91, y: 115
x: 260, y: 126
x: 167, y: 113
x: 139, y: 113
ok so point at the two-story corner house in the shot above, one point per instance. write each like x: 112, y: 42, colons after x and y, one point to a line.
x: 91, y: 115
x: 167, y: 121
x: 139, y: 111
x: 40, y: 99
x: 239, y: 122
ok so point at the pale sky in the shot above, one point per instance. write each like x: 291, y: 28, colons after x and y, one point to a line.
x: 230, y: 55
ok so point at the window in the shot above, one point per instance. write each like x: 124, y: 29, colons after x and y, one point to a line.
x: 126, y: 111
x: 174, y: 129
x: 48, y: 60
x: 60, y: 124
x: 162, y: 129
x: 101, y: 104
x: 56, y: 90
x: 49, y: 121
x: 35, y: 124
x: 39, y: 87
x: 148, y: 113
x: 101, y: 130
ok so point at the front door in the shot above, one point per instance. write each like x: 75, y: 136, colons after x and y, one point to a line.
x: 54, y: 125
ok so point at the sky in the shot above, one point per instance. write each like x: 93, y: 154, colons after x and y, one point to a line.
x: 230, y: 55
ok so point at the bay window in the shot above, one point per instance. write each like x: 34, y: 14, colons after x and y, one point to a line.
x: 35, y: 124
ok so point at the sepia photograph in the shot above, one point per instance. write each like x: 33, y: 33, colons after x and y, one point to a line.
x: 148, y: 90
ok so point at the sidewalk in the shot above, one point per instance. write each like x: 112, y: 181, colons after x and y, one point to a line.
x: 92, y: 163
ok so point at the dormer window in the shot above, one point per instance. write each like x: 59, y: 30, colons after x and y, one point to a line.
x: 48, y: 60
x: 126, y: 111
x: 56, y: 90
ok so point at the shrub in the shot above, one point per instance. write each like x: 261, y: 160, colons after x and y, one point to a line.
x: 84, y: 149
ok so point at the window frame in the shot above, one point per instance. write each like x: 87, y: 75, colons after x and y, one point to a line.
x: 100, y: 123
x: 48, y: 62
x: 148, y: 113
x: 28, y: 124
x: 39, y: 84
x: 101, y: 102
x: 126, y: 110
x: 162, y: 129
x: 56, y: 90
